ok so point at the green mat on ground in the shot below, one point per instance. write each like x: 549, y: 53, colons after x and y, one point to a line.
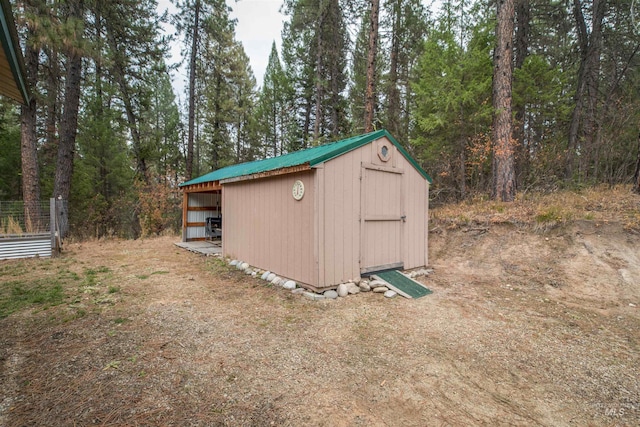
x: 407, y: 286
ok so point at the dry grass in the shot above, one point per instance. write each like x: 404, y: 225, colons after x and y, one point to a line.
x: 546, y: 210
x: 523, y: 328
x: 10, y: 226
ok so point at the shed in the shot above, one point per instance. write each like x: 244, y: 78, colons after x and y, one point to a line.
x: 319, y: 216
x: 12, y: 71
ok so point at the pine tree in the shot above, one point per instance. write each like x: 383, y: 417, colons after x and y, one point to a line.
x: 215, y: 69
x: 521, y: 52
x: 103, y: 175
x: 504, y: 185
x: 243, y: 89
x: 28, y: 117
x: 582, y: 127
x: 452, y: 96
x: 10, y: 166
x: 636, y: 175
x: 315, y: 45
x: 357, y: 89
x: 132, y: 31
x: 407, y: 23
x: 372, y: 51
x: 273, y: 107
x: 74, y: 16
x: 162, y: 120
x: 195, y: 20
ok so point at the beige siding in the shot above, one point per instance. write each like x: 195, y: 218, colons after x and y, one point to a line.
x: 341, y: 241
x: 416, y: 208
x: 340, y: 219
x: 320, y: 240
x: 264, y: 226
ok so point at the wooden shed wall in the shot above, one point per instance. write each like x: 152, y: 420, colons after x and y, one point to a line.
x: 264, y: 226
x: 319, y: 240
x: 339, y: 219
x: 417, y: 211
x: 340, y: 236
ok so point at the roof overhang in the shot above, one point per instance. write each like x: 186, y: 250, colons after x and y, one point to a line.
x: 266, y: 174
x: 203, y: 187
x: 12, y: 69
x: 299, y: 160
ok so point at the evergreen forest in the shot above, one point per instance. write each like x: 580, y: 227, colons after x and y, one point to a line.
x: 493, y: 98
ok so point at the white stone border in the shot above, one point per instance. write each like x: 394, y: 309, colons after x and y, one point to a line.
x: 351, y: 287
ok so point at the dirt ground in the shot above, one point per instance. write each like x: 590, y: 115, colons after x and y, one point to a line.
x: 522, y: 328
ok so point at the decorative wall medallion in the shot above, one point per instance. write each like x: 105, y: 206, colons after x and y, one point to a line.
x: 298, y: 190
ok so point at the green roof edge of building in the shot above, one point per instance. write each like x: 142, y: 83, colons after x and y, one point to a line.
x: 9, y: 39
x: 341, y: 148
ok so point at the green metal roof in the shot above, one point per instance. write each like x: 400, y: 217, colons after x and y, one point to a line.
x: 11, y: 61
x: 311, y: 156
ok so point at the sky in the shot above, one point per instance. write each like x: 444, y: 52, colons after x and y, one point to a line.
x: 259, y: 23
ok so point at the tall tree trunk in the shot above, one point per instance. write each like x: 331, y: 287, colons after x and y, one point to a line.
x: 334, y: 54
x: 636, y: 176
x: 319, y: 83
x: 370, y: 95
x: 582, y: 128
x: 69, y: 121
x: 132, y: 120
x: 192, y: 90
x: 504, y: 186
x: 217, y: 122
x: 274, y: 127
x: 608, y: 102
x: 593, y: 84
x: 393, y: 111
x: 306, y: 128
x: 28, y: 137
x: 463, y: 173
x: 239, y: 128
x: 53, y: 77
x: 118, y: 70
x: 521, y: 51
x: 197, y: 145
x: 103, y: 169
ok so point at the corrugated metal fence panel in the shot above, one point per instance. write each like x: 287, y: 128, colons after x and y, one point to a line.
x: 203, y: 199
x: 25, y: 247
x: 200, y: 216
x: 195, y: 232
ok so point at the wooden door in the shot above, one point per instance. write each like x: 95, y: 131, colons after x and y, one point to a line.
x: 381, y: 218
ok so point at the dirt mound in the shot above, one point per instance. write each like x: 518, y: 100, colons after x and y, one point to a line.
x: 590, y: 263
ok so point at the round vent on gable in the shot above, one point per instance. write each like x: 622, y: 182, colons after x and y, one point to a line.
x: 384, y: 152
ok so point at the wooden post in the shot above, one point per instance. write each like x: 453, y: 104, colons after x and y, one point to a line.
x: 185, y: 207
x: 52, y: 226
x: 636, y: 176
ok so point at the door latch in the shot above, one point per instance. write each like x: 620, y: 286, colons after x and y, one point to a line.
x: 403, y: 218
